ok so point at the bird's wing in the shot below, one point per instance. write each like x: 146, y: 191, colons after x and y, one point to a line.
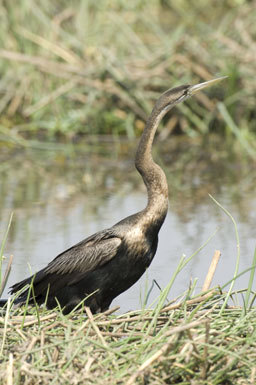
x: 86, y: 255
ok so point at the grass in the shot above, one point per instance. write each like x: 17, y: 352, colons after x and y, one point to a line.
x: 4, y: 277
x: 192, y: 342
x: 97, y: 68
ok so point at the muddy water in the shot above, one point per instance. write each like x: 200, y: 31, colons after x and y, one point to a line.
x: 61, y: 196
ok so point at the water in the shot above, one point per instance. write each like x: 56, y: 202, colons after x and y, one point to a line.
x: 60, y: 197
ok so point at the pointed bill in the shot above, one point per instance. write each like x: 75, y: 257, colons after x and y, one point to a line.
x: 200, y: 86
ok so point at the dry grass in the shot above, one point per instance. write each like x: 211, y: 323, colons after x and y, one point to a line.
x: 187, y: 345
x: 97, y: 68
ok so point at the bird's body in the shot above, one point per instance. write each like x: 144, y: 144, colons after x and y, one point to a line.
x: 104, y: 265
x: 100, y: 268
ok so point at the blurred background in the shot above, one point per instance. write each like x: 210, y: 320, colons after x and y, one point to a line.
x: 77, y: 82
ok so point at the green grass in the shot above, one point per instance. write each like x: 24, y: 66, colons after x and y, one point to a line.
x: 98, y: 67
x: 191, y: 341
x: 4, y: 277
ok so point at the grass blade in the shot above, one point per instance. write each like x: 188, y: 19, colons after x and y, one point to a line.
x: 3, y: 245
x: 238, y: 251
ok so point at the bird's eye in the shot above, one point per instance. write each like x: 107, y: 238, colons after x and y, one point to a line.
x: 185, y: 95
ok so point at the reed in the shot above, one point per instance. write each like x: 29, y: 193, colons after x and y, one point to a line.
x: 97, y: 68
x: 193, y: 340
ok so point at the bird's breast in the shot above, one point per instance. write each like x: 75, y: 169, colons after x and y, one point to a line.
x: 135, y: 233
x: 138, y: 246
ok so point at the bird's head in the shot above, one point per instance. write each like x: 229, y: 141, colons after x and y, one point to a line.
x: 177, y: 95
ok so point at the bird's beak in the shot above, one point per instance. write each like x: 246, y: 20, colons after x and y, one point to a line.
x: 200, y: 86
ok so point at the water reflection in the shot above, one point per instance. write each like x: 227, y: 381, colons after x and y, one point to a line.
x: 60, y: 197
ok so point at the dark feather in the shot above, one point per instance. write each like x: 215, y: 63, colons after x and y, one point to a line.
x: 92, y: 252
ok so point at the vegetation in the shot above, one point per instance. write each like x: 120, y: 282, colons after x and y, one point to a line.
x: 194, y: 341
x: 97, y: 67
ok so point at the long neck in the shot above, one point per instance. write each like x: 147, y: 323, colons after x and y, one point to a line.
x: 153, y: 176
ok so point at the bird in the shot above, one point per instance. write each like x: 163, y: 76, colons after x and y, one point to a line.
x: 96, y: 270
